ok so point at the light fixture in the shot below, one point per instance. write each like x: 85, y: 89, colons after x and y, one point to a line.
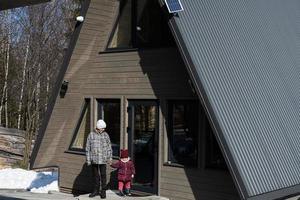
x: 80, y: 18
x: 63, y: 89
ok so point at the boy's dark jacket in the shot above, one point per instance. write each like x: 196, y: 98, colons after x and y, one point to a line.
x: 125, y: 170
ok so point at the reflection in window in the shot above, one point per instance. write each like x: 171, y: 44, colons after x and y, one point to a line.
x: 109, y: 111
x: 145, y: 121
x: 83, y: 128
x: 122, y: 33
x: 183, y: 132
x: 144, y: 127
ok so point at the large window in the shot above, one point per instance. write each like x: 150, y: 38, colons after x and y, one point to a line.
x: 140, y: 24
x: 121, y: 37
x: 109, y: 111
x: 183, y: 132
x: 83, y: 128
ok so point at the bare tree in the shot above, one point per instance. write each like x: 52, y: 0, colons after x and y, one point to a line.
x: 4, y: 98
x: 32, y: 45
x: 22, y: 84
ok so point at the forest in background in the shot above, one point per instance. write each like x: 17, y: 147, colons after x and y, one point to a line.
x: 33, y: 41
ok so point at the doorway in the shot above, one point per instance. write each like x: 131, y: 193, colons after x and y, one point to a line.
x: 143, y: 143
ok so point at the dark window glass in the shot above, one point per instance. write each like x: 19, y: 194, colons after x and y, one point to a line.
x: 152, y: 29
x: 145, y: 121
x: 214, y: 158
x: 141, y: 23
x: 83, y: 128
x: 183, y: 132
x: 109, y: 110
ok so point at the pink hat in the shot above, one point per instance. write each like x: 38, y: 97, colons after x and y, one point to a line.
x: 124, y: 153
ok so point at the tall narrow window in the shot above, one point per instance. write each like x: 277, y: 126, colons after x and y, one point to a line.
x: 122, y: 35
x: 109, y: 110
x: 83, y: 128
x: 183, y: 132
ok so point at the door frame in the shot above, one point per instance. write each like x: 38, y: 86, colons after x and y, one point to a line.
x: 130, y: 112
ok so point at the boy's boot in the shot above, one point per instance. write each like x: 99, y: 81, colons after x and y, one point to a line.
x: 103, y: 194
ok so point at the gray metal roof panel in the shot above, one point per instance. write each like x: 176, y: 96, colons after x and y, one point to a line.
x: 245, y: 54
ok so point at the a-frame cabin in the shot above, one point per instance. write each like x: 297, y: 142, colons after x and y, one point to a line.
x: 205, y: 99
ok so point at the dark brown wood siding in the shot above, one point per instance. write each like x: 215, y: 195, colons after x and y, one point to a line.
x: 144, y: 74
x: 94, y: 33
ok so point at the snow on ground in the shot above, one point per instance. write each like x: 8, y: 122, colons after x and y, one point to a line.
x: 37, y: 182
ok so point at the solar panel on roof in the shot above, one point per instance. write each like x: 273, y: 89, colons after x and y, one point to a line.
x: 174, y: 5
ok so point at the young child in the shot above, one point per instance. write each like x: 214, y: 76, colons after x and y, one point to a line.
x: 126, y: 172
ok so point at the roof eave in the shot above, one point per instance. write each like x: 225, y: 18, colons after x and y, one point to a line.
x: 10, y: 4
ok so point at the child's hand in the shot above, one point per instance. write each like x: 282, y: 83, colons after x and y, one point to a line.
x: 132, y: 175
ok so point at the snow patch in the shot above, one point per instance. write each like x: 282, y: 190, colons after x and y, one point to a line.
x: 37, y: 182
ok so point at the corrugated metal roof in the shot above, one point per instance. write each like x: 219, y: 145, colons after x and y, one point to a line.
x: 244, y: 55
x: 9, y: 4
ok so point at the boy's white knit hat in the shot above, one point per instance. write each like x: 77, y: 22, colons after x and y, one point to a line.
x: 100, y: 124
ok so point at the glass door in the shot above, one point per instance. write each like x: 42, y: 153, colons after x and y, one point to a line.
x: 143, y: 143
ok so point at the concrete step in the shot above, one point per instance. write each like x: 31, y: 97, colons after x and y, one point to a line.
x: 25, y: 195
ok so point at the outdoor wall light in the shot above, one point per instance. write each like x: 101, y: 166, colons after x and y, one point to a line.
x: 63, y: 89
x: 80, y: 18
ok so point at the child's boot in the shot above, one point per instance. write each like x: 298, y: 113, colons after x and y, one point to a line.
x: 127, y: 192
x: 121, y: 193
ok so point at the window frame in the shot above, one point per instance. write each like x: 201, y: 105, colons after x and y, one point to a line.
x: 98, y: 116
x: 111, y: 36
x: 86, y: 104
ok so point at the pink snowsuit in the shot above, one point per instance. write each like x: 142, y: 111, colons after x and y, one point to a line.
x: 125, y: 172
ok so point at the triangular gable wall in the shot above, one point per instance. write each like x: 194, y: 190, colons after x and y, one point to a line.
x: 56, y: 137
